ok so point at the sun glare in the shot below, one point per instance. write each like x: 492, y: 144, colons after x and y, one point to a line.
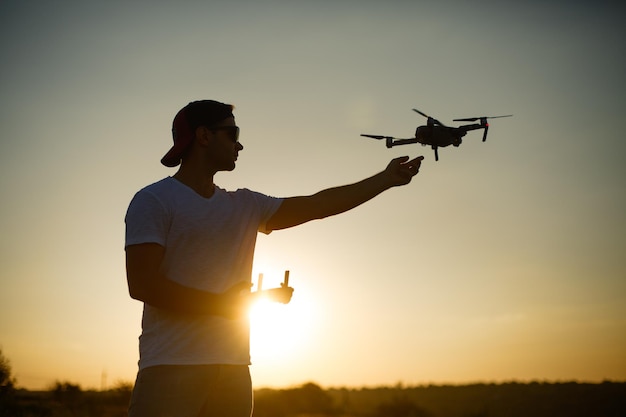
x: 278, y: 329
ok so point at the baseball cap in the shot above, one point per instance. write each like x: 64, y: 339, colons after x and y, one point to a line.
x: 193, y: 115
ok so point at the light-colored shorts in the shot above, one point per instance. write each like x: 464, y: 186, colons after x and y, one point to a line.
x: 192, y: 391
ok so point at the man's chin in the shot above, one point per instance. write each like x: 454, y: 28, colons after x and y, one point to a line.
x: 227, y: 168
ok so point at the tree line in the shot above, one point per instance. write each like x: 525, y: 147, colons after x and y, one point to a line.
x: 513, y: 399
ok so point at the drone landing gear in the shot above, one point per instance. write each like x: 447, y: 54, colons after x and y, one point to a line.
x: 436, y: 153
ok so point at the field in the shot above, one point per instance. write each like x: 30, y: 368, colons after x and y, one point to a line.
x: 537, y: 399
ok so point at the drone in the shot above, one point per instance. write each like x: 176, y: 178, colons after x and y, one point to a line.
x: 438, y: 135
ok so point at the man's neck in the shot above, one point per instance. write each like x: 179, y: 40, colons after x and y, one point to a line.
x: 200, y: 183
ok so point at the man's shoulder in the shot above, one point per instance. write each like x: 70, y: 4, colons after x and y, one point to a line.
x: 238, y: 191
x: 244, y: 194
x: 162, y: 184
x: 160, y: 191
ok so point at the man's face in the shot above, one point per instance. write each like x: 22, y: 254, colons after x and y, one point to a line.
x: 224, y: 144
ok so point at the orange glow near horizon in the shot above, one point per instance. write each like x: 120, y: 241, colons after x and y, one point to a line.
x: 504, y: 260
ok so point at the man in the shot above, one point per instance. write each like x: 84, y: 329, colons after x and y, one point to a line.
x: 189, y: 251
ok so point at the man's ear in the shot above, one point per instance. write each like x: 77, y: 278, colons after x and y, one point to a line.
x: 203, y: 135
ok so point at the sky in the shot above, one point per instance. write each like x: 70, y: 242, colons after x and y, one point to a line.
x: 502, y: 261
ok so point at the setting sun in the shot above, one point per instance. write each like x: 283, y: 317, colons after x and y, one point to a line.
x: 278, y: 329
x: 503, y: 260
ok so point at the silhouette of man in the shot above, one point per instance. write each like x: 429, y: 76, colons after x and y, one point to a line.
x: 189, y: 251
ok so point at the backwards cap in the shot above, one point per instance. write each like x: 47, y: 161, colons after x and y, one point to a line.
x: 190, y: 117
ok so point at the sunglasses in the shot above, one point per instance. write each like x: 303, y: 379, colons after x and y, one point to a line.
x: 233, y: 131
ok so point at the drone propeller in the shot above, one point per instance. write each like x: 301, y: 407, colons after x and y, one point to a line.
x: 483, y: 122
x: 473, y: 119
x: 431, y: 120
x: 378, y: 136
x: 423, y: 114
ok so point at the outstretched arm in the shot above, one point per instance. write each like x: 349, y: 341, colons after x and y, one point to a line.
x: 297, y: 210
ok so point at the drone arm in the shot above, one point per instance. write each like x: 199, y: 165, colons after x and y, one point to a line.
x: 397, y: 142
x: 474, y: 126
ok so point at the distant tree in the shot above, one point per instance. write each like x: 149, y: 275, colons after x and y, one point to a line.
x: 7, y: 382
x: 400, y: 407
x: 63, y: 391
x: 310, y: 398
x: 122, y: 387
x: 7, y: 388
x: 269, y: 403
x: 68, y: 395
x: 121, y: 392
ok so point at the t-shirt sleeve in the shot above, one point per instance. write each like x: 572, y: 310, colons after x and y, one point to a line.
x: 268, y: 206
x: 147, y: 220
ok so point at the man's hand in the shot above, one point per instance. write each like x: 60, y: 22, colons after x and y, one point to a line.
x: 236, y: 301
x: 279, y: 295
x: 400, y: 170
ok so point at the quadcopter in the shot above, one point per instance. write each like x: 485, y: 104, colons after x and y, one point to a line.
x: 438, y: 135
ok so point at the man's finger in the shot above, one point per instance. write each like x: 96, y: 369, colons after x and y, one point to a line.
x: 401, y: 159
x: 418, y: 159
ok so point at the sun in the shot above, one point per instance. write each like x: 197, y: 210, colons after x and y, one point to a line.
x: 276, y: 330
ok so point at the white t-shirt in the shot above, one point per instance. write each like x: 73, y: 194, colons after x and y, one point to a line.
x: 209, y: 245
